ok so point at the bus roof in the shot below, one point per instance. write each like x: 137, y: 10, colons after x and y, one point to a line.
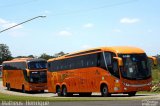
x: 115, y: 49
x: 24, y: 60
x: 126, y: 50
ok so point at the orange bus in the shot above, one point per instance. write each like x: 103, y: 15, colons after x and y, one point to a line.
x: 108, y: 70
x: 153, y: 61
x: 26, y: 74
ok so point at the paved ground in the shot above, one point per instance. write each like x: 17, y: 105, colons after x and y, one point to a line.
x: 18, y: 92
x: 107, y: 103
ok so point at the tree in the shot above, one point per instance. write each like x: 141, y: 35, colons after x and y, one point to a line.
x: 5, y: 53
x: 45, y: 56
x: 29, y: 56
x: 59, y: 54
x: 21, y: 57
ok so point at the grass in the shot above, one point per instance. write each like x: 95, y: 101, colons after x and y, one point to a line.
x: 146, y: 92
x: 156, y: 75
x: 156, y: 79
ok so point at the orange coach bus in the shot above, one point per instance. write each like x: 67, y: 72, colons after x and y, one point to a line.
x: 108, y: 70
x: 153, y: 60
x: 26, y: 74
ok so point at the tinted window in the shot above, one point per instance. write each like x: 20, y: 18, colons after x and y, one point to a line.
x: 108, y: 63
x: 14, y: 66
x: 74, y: 63
x: 136, y: 66
x: 38, y: 76
x: 37, y: 65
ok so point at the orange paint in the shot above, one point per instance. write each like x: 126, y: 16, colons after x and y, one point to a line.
x: 91, y: 70
x: 18, y: 74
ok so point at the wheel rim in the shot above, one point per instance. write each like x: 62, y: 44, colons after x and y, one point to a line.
x: 104, y: 90
x: 58, y: 90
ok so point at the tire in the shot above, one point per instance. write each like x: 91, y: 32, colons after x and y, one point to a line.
x: 131, y: 93
x: 64, y: 91
x: 23, y: 89
x: 104, y: 91
x: 8, y: 87
x: 58, y: 91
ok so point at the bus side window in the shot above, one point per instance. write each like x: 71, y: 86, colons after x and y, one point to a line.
x: 101, y: 61
x: 115, y: 68
x: 107, y: 59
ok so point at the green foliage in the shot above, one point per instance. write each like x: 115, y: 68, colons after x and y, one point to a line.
x: 29, y: 56
x: 59, y: 54
x: 156, y: 88
x: 46, y: 56
x: 156, y: 74
x: 5, y: 53
x: 156, y: 79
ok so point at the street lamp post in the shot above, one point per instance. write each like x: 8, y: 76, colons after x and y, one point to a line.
x: 22, y: 23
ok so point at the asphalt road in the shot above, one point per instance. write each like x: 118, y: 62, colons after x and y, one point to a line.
x: 84, y: 103
x: 106, y: 103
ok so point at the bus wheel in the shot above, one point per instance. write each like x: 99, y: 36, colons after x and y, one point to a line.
x: 64, y: 91
x: 104, y: 91
x: 8, y: 87
x: 23, y: 89
x: 58, y: 91
x: 132, y: 93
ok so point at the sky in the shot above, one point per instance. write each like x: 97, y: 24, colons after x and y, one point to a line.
x: 73, y: 25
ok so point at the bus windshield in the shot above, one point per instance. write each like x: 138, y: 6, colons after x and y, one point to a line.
x: 38, y: 76
x: 37, y: 65
x: 136, y: 66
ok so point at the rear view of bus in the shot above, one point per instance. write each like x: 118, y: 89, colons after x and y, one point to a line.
x: 26, y: 74
x: 109, y: 70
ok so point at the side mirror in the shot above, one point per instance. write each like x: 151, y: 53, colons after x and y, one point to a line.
x: 153, y: 60
x: 27, y: 72
x: 119, y: 60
